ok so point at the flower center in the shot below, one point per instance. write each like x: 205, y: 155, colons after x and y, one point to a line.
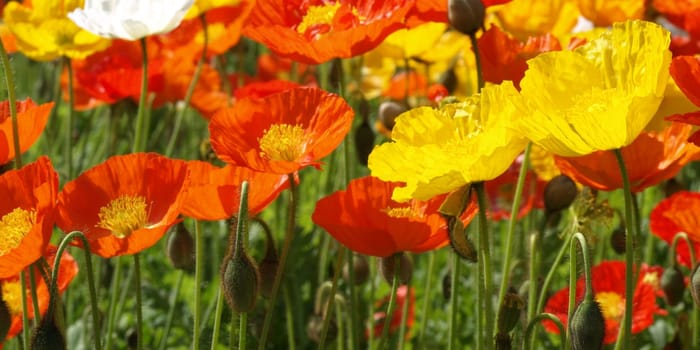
x: 612, y: 305
x: 401, y: 212
x: 12, y: 295
x: 124, y: 215
x: 282, y: 142
x: 317, y: 16
x: 13, y: 227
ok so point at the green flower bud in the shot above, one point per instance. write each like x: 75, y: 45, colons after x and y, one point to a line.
x: 180, y: 248
x: 509, y: 312
x: 559, y: 193
x: 503, y: 341
x: 360, y: 268
x: 47, y: 335
x: 239, y: 281
x: 447, y: 285
x: 673, y: 285
x: 388, y: 268
x: 459, y: 241
x: 315, y: 327
x: 466, y: 16
x: 364, y: 141
x: 388, y: 111
x: 618, y: 240
x: 587, y: 326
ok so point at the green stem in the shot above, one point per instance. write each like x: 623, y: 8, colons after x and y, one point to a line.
x: 426, y: 300
x: 573, y: 276
x: 404, y: 316
x: 11, y: 100
x: 536, y: 238
x: 454, y: 304
x: 171, y: 311
x: 392, y: 301
x: 289, y: 316
x: 550, y: 275
x: 198, y: 275
x: 35, y: 299
x: 352, y: 329
x: 624, y: 339
x: 539, y: 318
x: 288, y: 237
x: 190, y: 88
x: 116, y: 277
x: 69, y: 127
x: 695, y: 318
x: 372, y: 296
x: 217, y: 319
x: 139, y: 137
x: 139, y: 315
x: 477, y: 60
x: 485, y: 261
x: 25, y: 308
x: 328, y: 309
x: 242, y: 330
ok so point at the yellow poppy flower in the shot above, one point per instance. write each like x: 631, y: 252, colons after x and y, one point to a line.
x: 44, y: 32
x: 201, y: 6
x: 526, y: 18
x: 436, y: 151
x: 599, y: 96
x: 605, y: 13
x: 407, y: 43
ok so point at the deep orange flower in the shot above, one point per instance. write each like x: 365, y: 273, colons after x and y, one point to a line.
x: 214, y: 193
x: 501, y: 192
x: 12, y: 291
x: 404, y: 295
x: 685, y: 71
x: 31, y: 120
x: 436, y: 11
x: 315, y: 31
x: 504, y: 57
x: 411, y: 83
x: 283, y: 132
x: 674, y: 215
x: 684, y: 14
x: 652, y: 157
x: 26, y: 214
x: 125, y: 204
x: 608, y: 279
x: 263, y: 88
x: 365, y: 219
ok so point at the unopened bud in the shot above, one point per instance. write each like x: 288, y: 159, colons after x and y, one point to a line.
x: 587, y: 326
x: 459, y: 241
x: 672, y: 186
x: 673, y: 285
x: 467, y: 16
x: 360, y: 269
x: 503, y: 341
x: 388, y: 111
x: 268, y: 269
x: 405, y: 268
x: 240, y: 278
x: 180, y: 248
x: 5, y: 317
x: 559, y: 193
x: 618, y: 240
x: 509, y: 312
x: 364, y: 142
x: 47, y: 335
x: 695, y: 284
x: 447, y: 286
x: 315, y: 327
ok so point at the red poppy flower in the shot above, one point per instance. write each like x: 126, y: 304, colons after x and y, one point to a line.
x: 504, y: 57
x: 283, y: 132
x: 214, y: 193
x: 26, y: 214
x: 404, y: 295
x: 12, y: 291
x: 31, y: 121
x: 501, y: 192
x: 652, y: 157
x: 683, y: 14
x: 263, y: 88
x: 674, y: 215
x: 365, y: 219
x: 411, y: 83
x: 125, y: 204
x: 608, y: 279
x: 315, y: 31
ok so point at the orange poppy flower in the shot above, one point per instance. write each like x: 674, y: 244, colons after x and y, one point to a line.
x: 31, y: 121
x: 283, y: 132
x: 263, y: 88
x: 365, y: 219
x: 12, y: 291
x: 271, y: 67
x: 125, y: 204
x: 404, y: 295
x: 685, y: 71
x: 674, y: 215
x: 26, y: 214
x: 684, y: 14
x: 436, y: 11
x: 411, y: 83
x: 214, y: 193
x: 652, y: 157
x: 501, y: 192
x: 608, y: 279
x: 315, y: 31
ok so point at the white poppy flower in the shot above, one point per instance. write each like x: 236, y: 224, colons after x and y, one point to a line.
x: 130, y: 19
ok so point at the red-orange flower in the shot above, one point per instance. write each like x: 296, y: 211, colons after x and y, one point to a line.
x: 283, y: 132
x: 315, y: 31
x: 501, y: 192
x: 404, y: 295
x: 214, y: 193
x: 31, y: 120
x: 26, y: 214
x: 365, y: 219
x: 676, y: 214
x: 12, y: 291
x: 652, y: 157
x: 125, y: 204
x: 608, y: 279
x: 685, y: 71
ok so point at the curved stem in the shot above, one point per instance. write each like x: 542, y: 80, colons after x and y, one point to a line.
x: 392, y: 301
x: 536, y: 320
x: 11, y: 99
x: 69, y: 127
x: 242, y: 330
x: 485, y: 261
x: 113, y: 302
x: 139, y: 315
x: 573, y: 275
x: 426, y: 299
x: 624, y: 339
x: 198, y: 272
x: 328, y: 309
x: 454, y: 303
x: 288, y: 237
x: 550, y: 274
x: 139, y: 137
x: 171, y: 311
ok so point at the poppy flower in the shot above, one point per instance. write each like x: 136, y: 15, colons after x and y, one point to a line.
x: 525, y: 18
x: 605, y: 13
x: 608, y: 279
x: 685, y: 70
x: 365, y: 219
x: 501, y: 192
x: 26, y: 214
x: 436, y: 11
x: 674, y: 215
x: 283, y: 132
x: 436, y: 151
x: 130, y: 19
x: 683, y: 14
x: 125, y: 204
x: 315, y: 31
x: 404, y: 294
x: 599, y: 96
x: 407, y: 82
x: 12, y: 290
x: 43, y: 31
x: 652, y: 157
x: 31, y: 121
x: 202, y: 6
x: 214, y: 193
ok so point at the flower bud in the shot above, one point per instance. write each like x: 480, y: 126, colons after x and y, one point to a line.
x: 364, y: 141
x: 503, y: 341
x: 239, y: 279
x: 618, y: 240
x: 388, y: 268
x: 180, y: 248
x: 268, y: 269
x: 315, y: 327
x: 5, y: 317
x: 695, y: 284
x: 47, y: 335
x: 672, y: 186
x: 360, y: 268
x: 447, y: 285
x: 587, y: 326
x: 388, y: 111
x: 509, y: 312
x: 673, y: 285
x: 459, y: 241
x: 466, y: 16
x: 559, y: 193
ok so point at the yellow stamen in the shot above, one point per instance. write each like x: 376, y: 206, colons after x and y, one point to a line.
x: 124, y: 215
x: 315, y: 15
x: 12, y: 295
x: 612, y: 305
x: 13, y: 227
x: 283, y: 142
x: 402, y: 212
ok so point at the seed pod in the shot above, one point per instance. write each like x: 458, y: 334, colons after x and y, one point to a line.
x: 180, y: 248
x: 5, y: 317
x: 673, y: 285
x: 47, y: 335
x: 388, y: 268
x: 559, y: 193
x: 695, y: 284
x: 364, y: 142
x: 388, y: 111
x: 239, y: 279
x: 587, y: 326
x: 466, y: 16
x: 618, y: 240
x: 509, y: 312
x: 360, y: 268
